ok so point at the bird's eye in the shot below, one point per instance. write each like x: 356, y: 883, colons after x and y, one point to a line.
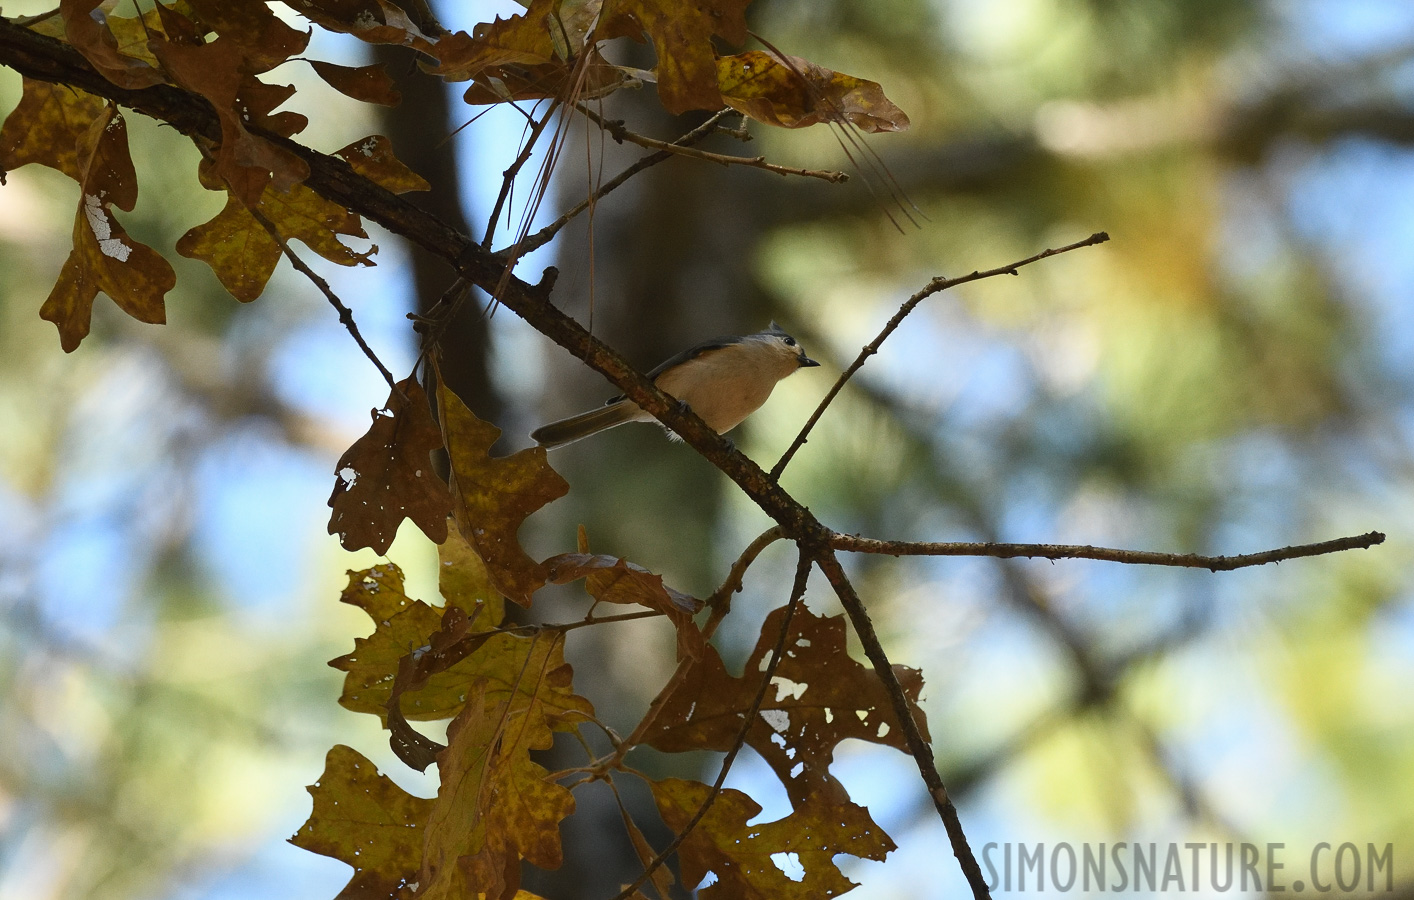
x: 790, y: 341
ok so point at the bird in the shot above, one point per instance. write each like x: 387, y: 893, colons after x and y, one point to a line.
x: 723, y: 380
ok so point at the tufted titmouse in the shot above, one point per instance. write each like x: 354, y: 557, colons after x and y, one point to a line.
x: 723, y: 380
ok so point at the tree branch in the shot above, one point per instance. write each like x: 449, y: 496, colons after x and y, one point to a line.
x: 857, y: 544
x: 619, y: 133
x: 918, y: 747
x: 345, y: 314
x: 933, y: 287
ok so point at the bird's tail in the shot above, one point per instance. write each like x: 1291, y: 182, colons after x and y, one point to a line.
x: 565, y: 431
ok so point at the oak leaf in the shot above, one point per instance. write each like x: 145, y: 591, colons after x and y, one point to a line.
x: 494, y: 496
x: 372, y: 157
x: 387, y: 476
x: 496, y: 806
x: 373, y: 21
x: 793, y: 93
x: 682, y: 39
x: 367, y: 821
x: 243, y: 255
x: 218, y: 71
x: 104, y: 257
x: 819, y: 696
x: 265, y: 40
x: 86, y: 28
x: 402, y: 625
x: 47, y: 126
x: 532, y: 56
x: 609, y: 579
x: 371, y: 84
x: 741, y: 855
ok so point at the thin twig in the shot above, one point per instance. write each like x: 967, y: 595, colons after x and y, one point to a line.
x: 918, y: 746
x: 802, y: 573
x: 508, y: 177
x: 933, y: 287
x: 345, y: 314
x: 619, y: 133
x: 547, y: 234
x: 857, y: 544
x: 721, y: 600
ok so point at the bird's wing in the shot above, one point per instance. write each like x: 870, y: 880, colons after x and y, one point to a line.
x: 690, y: 353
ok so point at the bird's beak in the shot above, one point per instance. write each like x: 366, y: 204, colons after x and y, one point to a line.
x: 806, y: 362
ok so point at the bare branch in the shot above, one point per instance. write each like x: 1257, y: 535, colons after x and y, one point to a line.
x: 345, y: 314
x: 858, y: 544
x: 619, y: 133
x: 797, y: 591
x: 721, y: 600
x: 933, y: 287
x: 918, y: 746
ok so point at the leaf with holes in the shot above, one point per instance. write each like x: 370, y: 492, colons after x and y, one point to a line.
x: 387, y: 476
x: 819, y: 696
x: 402, y: 626
x: 104, y: 257
x: 791, y: 92
x: 789, y: 858
x: 494, y: 496
x: 367, y: 821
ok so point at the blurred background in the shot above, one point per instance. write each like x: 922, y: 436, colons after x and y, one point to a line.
x: 1230, y: 373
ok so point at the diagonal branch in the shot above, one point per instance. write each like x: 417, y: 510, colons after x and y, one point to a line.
x: 345, y: 314
x: 933, y: 287
x: 918, y: 746
x: 1053, y: 552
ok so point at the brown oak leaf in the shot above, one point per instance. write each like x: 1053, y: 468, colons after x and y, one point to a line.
x: 372, y: 157
x: 819, y: 696
x: 682, y: 38
x: 374, y: 21
x: 530, y: 56
x: 494, y: 496
x: 218, y: 71
x: 364, y: 819
x: 741, y: 855
x: 47, y: 126
x: 104, y: 257
x: 86, y: 27
x: 792, y: 93
x: 371, y: 84
x: 609, y: 579
x: 387, y: 476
